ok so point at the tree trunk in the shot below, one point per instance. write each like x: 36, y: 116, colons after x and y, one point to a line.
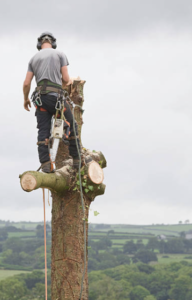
x: 67, y: 215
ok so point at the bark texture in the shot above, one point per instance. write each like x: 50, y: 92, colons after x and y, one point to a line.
x: 67, y: 216
x: 68, y: 247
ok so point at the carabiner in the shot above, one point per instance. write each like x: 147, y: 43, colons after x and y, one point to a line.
x: 38, y: 101
x: 58, y: 105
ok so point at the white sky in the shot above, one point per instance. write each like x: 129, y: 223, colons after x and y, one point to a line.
x: 138, y: 109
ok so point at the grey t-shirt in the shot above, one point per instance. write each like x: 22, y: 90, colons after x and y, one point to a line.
x: 46, y: 64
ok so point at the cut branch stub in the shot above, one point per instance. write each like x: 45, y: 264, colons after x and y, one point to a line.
x: 96, y: 156
x: 92, y: 180
x: 60, y: 181
x: 28, y: 182
x: 95, y: 172
x: 57, y: 182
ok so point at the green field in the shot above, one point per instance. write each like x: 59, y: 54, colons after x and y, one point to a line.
x: 118, y: 246
x: 169, y: 230
x: 22, y: 234
x: 173, y: 258
x: 116, y: 241
x: 23, y: 225
x: 7, y: 273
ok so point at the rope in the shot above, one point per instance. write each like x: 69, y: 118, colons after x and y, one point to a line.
x: 45, y: 245
x: 48, y: 198
x: 82, y: 204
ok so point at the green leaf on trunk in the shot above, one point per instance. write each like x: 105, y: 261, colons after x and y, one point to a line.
x: 86, y: 190
x: 96, y: 213
x: 90, y: 187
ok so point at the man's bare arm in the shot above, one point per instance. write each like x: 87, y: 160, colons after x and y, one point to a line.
x: 26, y: 89
x: 65, y: 75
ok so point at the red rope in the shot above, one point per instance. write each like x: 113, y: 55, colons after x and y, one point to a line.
x: 45, y: 245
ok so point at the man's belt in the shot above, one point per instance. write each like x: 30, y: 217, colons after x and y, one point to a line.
x: 45, y: 86
x: 45, y: 90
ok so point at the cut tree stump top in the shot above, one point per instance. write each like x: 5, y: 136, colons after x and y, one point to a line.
x: 95, y: 173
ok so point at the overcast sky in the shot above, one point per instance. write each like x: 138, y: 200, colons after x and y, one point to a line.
x: 136, y: 59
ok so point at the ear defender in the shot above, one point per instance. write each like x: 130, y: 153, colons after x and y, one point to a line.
x: 53, y: 40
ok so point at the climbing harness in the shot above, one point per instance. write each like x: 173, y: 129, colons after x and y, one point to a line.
x: 45, y: 86
x: 60, y: 128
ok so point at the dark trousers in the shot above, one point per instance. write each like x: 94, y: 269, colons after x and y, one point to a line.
x: 44, y: 126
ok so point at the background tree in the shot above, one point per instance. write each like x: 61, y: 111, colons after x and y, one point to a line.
x: 108, y: 288
x: 189, y: 294
x: 12, y: 288
x: 153, y: 243
x: 150, y: 297
x: 162, y: 246
x: 159, y: 282
x: 145, y: 256
x: 175, y: 245
x: 129, y: 247
x: 182, y: 234
x: 3, y: 234
x: 187, y: 245
x: 180, y: 288
x: 40, y: 231
x: 110, y: 232
x: 146, y: 268
x: 140, y: 244
x: 139, y: 293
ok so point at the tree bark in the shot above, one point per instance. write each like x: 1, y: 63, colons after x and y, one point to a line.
x: 67, y: 216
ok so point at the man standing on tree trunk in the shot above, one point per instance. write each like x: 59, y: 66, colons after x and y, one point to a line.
x: 50, y: 69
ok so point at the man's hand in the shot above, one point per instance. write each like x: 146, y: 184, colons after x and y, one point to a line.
x: 26, y: 90
x: 70, y: 81
x: 27, y: 104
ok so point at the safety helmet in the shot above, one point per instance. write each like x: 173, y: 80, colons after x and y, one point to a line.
x: 46, y: 36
